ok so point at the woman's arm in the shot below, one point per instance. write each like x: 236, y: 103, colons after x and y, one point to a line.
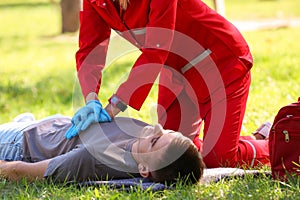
x: 94, y: 37
x: 17, y: 170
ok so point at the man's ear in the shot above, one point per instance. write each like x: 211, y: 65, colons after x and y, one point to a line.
x: 144, y: 170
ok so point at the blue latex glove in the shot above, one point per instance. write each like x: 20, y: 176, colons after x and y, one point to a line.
x: 72, y: 132
x: 92, y: 112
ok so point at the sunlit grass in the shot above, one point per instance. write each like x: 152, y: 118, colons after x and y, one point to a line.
x: 274, y: 75
x: 259, y: 9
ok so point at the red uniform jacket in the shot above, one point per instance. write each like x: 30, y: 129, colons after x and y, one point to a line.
x: 171, y: 34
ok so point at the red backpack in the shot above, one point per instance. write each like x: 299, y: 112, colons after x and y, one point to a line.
x: 284, y: 142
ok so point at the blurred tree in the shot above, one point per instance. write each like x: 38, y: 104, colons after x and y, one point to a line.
x: 219, y: 6
x: 70, y: 15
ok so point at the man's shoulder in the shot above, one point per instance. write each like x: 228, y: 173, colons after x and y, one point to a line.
x: 128, y: 121
x: 126, y: 125
x: 120, y: 129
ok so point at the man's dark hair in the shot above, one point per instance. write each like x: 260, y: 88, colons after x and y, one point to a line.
x: 181, y: 161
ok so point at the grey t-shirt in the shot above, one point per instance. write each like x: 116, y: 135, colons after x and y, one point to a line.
x: 101, y: 152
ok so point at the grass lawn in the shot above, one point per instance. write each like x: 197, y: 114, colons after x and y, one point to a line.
x: 37, y: 74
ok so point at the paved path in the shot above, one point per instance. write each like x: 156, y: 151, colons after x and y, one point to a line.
x: 266, y: 24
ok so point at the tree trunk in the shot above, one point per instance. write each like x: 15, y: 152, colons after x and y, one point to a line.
x: 70, y: 15
x: 220, y: 7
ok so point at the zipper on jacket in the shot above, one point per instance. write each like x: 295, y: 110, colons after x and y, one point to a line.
x: 132, y: 34
x: 286, y: 135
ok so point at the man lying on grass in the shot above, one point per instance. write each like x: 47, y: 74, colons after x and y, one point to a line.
x: 123, y: 148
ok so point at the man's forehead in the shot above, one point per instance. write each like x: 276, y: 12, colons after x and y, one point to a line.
x: 170, y: 136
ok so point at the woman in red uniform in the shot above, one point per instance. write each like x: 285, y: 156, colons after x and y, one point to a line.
x: 204, y: 65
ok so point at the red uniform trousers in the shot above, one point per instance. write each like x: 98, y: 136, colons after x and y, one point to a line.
x: 223, y: 147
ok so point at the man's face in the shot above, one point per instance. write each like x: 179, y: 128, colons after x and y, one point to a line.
x: 154, y: 140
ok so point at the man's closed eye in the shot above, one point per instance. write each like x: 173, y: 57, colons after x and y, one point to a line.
x: 154, y: 140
